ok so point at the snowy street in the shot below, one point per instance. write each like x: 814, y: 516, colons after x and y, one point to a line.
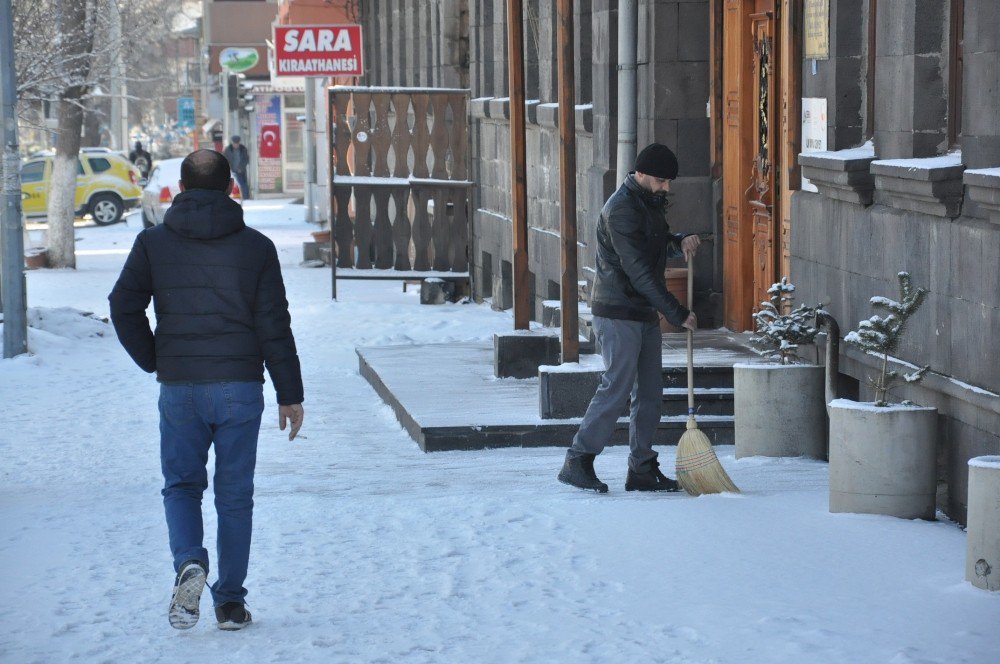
x: 365, y: 549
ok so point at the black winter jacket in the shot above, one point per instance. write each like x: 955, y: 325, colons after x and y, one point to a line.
x: 221, y: 312
x: 633, y: 245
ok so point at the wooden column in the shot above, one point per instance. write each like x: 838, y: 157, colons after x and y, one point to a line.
x: 737, y: 160
x: 790, y: 84
x: 518, y: 167
x: 568, y: 298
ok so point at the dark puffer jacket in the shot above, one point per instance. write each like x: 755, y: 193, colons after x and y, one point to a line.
x: 221, y: 312
x: 633, y: 245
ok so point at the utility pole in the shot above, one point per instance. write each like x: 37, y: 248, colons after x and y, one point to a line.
x: 310, y: 147
x: 12, y: 286
x: 224, y: 77
x: 119, y: 102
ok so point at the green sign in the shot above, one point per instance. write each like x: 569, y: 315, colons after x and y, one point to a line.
x: 238, y: 59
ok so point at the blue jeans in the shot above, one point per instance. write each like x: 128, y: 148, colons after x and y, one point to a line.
x: 192, y: 418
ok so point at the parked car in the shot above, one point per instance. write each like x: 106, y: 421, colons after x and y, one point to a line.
x: 107, y: 184
x: 161, y: 187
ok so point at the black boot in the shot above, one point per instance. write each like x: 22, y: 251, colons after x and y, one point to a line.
x: 578, y: 471
x: 652, y: 480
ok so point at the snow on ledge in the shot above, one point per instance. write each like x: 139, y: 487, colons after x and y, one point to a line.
x: 848, y: 404
x: 954, y: 381
x: 587, y: 364
x: 767, y: 364
x: 866, y: 151
x: 949, y: 160
x: 988, y: 172
x: 986, y: 462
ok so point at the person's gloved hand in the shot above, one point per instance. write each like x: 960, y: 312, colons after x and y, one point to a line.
x: 295, y: 414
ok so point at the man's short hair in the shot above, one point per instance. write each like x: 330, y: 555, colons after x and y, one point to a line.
x: 205, y: 169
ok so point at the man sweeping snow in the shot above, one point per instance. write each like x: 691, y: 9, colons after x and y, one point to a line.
x: 221, y: 316
x: 633, y: 245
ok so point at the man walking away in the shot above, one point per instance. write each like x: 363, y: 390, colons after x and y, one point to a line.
x: 141, y: 159
x: 239, y: 161
x: 221, y: 316
x: 633, y: 245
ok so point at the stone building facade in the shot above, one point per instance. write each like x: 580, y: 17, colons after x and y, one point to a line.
x: 915, y: 199
x: 463, y: 43
x: 912, y: 133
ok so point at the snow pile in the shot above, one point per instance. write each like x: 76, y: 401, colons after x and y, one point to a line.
x: 68, y: 322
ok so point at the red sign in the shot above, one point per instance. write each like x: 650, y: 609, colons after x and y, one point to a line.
x: 317, y: 50
x: 270, y: 141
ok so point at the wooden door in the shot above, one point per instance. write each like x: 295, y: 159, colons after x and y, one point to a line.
x: 762, y: 192
x: 757, y: 84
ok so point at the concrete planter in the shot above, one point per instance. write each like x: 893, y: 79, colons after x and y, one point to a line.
x: 883, y: 460
x: 780, y: 410
x: 982, y: 560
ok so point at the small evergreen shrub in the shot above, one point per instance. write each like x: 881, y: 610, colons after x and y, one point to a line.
x: 780, y: 334
x: 880, y: 335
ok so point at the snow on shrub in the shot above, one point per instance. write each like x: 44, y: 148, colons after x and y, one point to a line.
x: 780, y: 334
x: 880, y: 335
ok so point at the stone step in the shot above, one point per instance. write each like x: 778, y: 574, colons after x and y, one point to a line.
x: 707, y: 401
x: 704, y: 376
x: 718, y: 429
x: 566, y: 393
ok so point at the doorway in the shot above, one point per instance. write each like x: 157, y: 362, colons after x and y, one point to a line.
x: 760, y: 135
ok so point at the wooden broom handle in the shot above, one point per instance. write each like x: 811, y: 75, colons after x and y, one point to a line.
x: 690, y: 341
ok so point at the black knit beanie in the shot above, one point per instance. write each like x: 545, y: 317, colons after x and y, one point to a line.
x: 657, y: 160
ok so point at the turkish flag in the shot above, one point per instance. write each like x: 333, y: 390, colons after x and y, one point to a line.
x: 270, y: 141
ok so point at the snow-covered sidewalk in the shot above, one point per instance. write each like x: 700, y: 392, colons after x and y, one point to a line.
x: 367, y: 550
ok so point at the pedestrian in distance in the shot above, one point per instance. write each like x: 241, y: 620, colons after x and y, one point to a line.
x: 239, y: 161
x: 141, y: 159
x: 221, y: 317
x: 633, y: 244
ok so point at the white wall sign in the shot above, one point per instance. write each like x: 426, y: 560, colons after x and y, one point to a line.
x: 813, y: 130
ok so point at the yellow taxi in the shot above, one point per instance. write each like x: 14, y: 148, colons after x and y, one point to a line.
x: 107, y: 184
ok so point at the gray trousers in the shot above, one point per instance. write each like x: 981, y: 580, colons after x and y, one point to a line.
x: 633, y: 362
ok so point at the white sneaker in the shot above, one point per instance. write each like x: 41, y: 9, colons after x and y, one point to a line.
x: 190, y: 581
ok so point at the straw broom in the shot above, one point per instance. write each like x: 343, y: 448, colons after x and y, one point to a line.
x: 698, y: 469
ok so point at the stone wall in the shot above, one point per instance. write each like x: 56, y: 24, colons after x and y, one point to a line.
x: 841, y: 79
x: 492, y: 230
x: 418, y: 44
x: 981, y: 84
x: 463, y: 43
x: 673, y: 91
x: 926, y: 216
